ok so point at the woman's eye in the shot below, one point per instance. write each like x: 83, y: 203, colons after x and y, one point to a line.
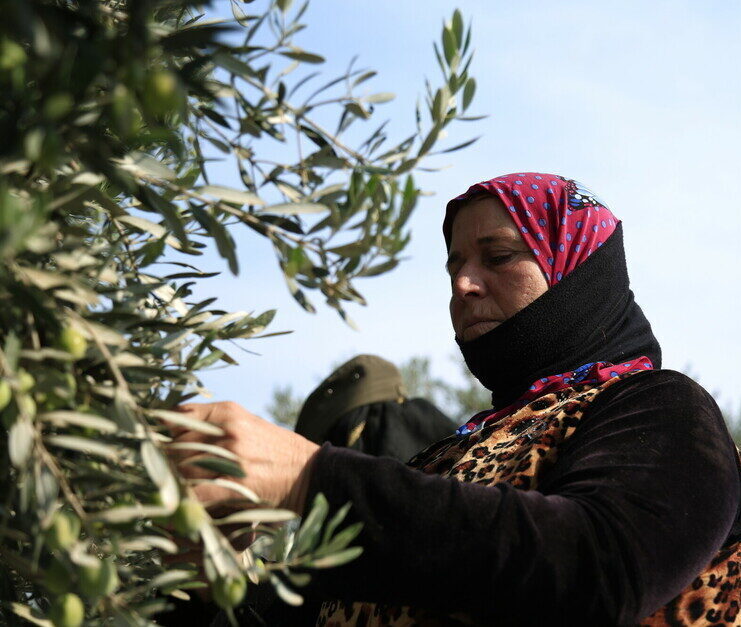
x: 498, y: 260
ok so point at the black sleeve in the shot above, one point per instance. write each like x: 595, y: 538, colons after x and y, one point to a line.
x: 640, y: 499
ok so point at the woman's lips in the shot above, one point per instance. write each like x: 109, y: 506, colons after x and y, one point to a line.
x: 477, y: 329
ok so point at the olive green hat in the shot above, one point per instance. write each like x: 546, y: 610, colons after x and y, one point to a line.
x: 363, y: 380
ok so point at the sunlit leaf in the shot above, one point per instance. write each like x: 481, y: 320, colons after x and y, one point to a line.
x: 285, y: 593
x: 357, y: 109
x: 84, y: 445
x: 144, y: 225
x: 142, y: 164
x: 337, y: 559
x: 160, y: 473
x: 228, y: 194
x: 295, y: 208
x: 47, y: 491
x: 182, y: 420
x: 127, y: 513
x: 205, y: 448
x: 32, y: 616
x: 20, y: 441
x: 230, y: 485
x: 257, y: 515
x: 380, y: 98
x: 147, y: 542
x: 170, y: 578
x: 79, y: 419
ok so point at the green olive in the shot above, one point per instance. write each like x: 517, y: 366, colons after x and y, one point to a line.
x: 25, y: 381
x: 67, y: 611
x: 73, y: 342
x: 98, y: 579
x: 11, y: 54
x: 229, y: 591
x: 63, y: 532
x: 110, y: 576
x: 163, y: 93
x: 56, y: 577
x: 5, y: 394
x: 125, y: 113
x: 55, y: 389
x: 188, y: 517
x: 90, y: 579
x: 26, y: 405
x: 58, y: 105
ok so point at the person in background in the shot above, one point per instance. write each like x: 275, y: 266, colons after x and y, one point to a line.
x: 363, y: 405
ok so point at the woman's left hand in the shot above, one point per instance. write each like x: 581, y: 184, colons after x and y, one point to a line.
x: 276, y: 461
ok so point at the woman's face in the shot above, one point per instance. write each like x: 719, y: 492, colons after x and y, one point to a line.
x: 492, y: 271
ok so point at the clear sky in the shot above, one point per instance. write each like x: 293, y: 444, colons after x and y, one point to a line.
x: 640, y: 101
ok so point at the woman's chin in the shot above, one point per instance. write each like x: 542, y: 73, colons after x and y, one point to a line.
x: 479, y: 329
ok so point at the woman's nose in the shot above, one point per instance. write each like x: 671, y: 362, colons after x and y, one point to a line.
x: 467, y: 283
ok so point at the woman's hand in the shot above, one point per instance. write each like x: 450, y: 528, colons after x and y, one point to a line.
x: 276, y: 461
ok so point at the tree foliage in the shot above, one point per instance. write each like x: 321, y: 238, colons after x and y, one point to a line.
x: 459, y: 401
x: 285, y: 406
x: 733, y: 420
x: 112, y: 113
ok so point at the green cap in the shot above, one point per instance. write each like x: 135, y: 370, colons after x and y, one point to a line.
x: 363, y: 380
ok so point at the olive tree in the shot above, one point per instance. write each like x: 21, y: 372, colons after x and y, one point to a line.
x: 112, y: 112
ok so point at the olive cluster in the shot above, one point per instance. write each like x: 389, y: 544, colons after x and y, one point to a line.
x: 68, y: 578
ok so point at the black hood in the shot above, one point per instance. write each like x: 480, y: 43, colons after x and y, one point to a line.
x: 588, y: 316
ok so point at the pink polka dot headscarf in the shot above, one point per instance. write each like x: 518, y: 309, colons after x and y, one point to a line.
x: 563, y: 223
x: 559, y: 219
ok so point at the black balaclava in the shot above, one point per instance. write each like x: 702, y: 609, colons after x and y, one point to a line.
x: 587, y: 315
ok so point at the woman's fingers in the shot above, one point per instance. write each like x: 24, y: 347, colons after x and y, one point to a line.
x: 275, y: 459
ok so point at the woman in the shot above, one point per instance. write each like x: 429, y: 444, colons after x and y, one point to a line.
x: 598, y: 490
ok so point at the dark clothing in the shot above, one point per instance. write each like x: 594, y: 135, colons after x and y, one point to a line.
x: 641, y: 496
x: 391, y: 429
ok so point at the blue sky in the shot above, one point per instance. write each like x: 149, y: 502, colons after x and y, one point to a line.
x: 639, y: 101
